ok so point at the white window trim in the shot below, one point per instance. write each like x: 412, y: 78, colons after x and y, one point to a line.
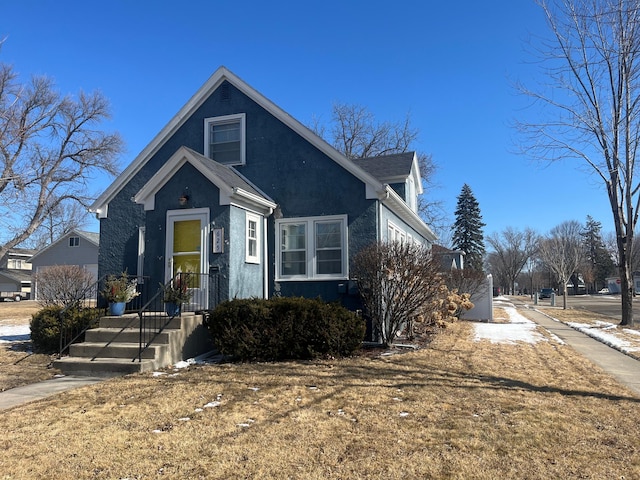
x: 395, y: 233
x: 250, y: 217
x: 311, y: 248
x: 221, y: 121
x: 141, y: 246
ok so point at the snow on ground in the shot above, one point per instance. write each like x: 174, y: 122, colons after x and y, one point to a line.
x: 14, y: 333
x: 609, y: 334
x: 519, y: 328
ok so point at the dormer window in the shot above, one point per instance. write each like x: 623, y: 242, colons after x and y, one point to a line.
x: 225, y: 139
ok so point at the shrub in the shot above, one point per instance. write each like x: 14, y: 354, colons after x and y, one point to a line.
x: 284, y: 328
x: 45, y: 326
x: 63, y: 285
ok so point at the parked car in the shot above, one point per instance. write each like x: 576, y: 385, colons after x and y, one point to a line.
x: 545, y: 293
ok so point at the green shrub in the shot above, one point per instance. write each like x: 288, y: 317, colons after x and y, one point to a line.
x: 45, y: 326
x: 284, y: 328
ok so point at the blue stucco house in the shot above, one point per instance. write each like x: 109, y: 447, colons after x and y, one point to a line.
x: 236, y: 190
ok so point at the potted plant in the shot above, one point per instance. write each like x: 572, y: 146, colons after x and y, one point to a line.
x: 174, y: 294
x: 118, y: 291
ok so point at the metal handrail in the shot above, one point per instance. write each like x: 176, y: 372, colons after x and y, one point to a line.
x: 74, y: 304
x: 152, y: 323
x: 153, y: 318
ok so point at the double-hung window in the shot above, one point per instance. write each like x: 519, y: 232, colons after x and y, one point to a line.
x: 253, y: 239
x: 312, y: 248
x: 225, y: 139
x: 74, y: 241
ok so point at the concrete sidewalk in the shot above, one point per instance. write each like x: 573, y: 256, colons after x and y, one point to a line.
x: 622, y: 367
x: 36, y: 391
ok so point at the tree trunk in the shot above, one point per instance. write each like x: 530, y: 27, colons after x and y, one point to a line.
x: 626, y: 294
x: 565, y: 291
x: 626, y: 281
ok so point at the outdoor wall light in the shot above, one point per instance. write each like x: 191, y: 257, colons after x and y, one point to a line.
x: 183, y: 200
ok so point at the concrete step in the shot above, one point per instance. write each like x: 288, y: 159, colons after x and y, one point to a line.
x: 121, y: 335
x: 133, y: 321
x: 102, y: 367
x: 112, y: 350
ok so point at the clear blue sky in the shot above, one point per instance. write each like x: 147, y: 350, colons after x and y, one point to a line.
x: 451, y: 65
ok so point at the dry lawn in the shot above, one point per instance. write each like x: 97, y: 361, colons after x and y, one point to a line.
x: 457, y: 410
x: 18, y: 365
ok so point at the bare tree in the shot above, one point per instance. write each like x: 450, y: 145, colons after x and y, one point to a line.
x: 63, y: 285
x: 593, y: 102
x: 397, y: 282
x: 511, y: 252
x: 60, y: 221
x: 356, y: 133
x: 50, y: 151
x: 563, y: 252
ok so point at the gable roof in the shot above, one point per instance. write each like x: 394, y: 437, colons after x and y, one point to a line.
x: 373, y: 187
x: 16, y: 275
x: 393, y: 168
x: 234, y: 187
x: 91, y: 237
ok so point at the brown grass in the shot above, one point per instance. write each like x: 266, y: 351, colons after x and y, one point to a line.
x: 457, y: 410
x: 18, y: 365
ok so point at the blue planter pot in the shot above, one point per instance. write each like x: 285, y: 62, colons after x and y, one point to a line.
x: 116, y: 308
x: 172, y: 309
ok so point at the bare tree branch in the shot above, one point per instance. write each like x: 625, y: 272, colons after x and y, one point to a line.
x: 50, y: 150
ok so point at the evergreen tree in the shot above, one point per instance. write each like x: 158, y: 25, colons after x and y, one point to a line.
x: 599, y: 265
x: 467, y: 229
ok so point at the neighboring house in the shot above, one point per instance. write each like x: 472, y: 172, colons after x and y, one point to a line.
x: 15, y: 274
x: 449, y: 259
x: 15, y: 284
x: 74, y: 248
x: 235, y: 189
x: 17, y: 259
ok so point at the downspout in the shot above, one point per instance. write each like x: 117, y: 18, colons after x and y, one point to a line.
x: 265, y: 260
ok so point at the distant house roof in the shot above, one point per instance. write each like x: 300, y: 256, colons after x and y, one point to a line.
x: 91, y: 237
x: 449, y: 259
x: 16, y: 275
x: 21, y: 252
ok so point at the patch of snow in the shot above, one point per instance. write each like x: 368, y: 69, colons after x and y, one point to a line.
x: 605, y: 332
x: 519, y: 328
x: 14, y: 333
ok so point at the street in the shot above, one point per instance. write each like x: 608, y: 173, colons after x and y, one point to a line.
x: 602, y: 304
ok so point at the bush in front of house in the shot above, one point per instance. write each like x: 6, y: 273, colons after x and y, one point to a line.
x: 45, y: 326
x: 284, y: 328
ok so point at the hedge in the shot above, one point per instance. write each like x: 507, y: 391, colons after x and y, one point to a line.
x: 45, y: 326
x: 284, y: 328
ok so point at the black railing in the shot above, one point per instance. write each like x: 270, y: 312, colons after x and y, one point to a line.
x: 84, y: 301
x: 186, y: 292
x: 84, y: 310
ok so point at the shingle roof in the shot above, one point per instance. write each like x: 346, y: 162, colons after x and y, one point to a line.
x: 387, y: 166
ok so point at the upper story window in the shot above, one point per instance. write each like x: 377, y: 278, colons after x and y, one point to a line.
x: 16, y: 263
x: 225, y: 139
x: 74, y: 241
x: 253, y: 239
x: 312, y: 248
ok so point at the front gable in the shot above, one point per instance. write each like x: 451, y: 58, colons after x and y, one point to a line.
x: 191, y: 121
x: 233, y: 188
